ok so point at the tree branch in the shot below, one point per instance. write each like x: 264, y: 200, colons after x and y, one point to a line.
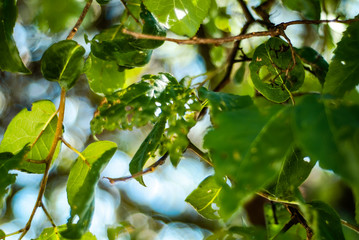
x: 80, y: 20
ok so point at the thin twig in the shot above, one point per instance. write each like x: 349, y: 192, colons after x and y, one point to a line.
x: 246, y: 11
x: 48, y: 215
x: 48, y: 159
x: 199, y: 153
x: 141, y: 173
x: 79, y: 20
x: 293, y: 221
x: 350, y: 226
x: 275, y: 31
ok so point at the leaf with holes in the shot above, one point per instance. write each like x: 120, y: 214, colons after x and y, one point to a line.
x: 205, y: 198
x: 344, y: 67
x: 81, y: 185
x: 272, y: 73
x: 10, y: 60
x: 182, y: 17
x: 63, y: 62
x: 36, y: 127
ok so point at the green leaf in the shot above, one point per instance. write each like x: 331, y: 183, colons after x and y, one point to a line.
x: 234, y: 233
x: 104, y: 77
x: 151, y: 27
x: 292, y: 174
x: 112, y: 44
x: 319, y: 67
x: 325, y: 222
x: 221, y: 102
x: 12, y: 62
x: 344, y: 67
x: 182, y: 17
x: 247, y: 141
x: 114, y: 232
x: 48, y: 12
x: 147, y: 148
x: 309, y: 8
x: 269, y: 70
x: 2, y: 234
x: 81, y: 185
x: 25, y: 128
x: 205, y: 198
x: 139, y: 103
x: 103, y: 1
x: 52, y: 234
x: 8, y: 161
x: 63, y: 62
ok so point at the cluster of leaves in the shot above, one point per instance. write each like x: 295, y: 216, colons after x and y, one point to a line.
x: 261, y: 145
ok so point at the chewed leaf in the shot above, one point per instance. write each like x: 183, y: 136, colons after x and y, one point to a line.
x: 272, y: 72
x: 63, y: 62
x: 36, y: 127
x: 205, y: 198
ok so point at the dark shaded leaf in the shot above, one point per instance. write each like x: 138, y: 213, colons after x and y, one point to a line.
x: 234, y: 233
x: 221, y: 102
x: 247, y: 141
x: 344, y: 67
x: 309, y: 8
x: 8, y: 161
x: 147, y: 148
x: 63, y: 62
x: 103, y: 1
x: 10, y: 59
x: 25, y: 128
x: 81, y: 185
x: 205, y: 198
x: 325, y: 222
x: 319, y: 66
x: 269, y: 66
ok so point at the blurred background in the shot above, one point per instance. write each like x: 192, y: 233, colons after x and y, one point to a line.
x: 157, y: 211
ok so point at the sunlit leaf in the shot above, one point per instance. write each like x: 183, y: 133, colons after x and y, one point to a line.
x: 269, y: 70
x: 344, y: 67
x: 309, y: 8
x: 10, y: 59
x: 319, y: 67
x: 52, y: 234
x: 48, y: 13
x: 205, y: 198
x: 114, y: 232
x: 25, y: 128
x: 325, y: 222
x: 183, y: 17
x: 247, y: 141
x: 147, y: 148
x: 63, y: 62
x: 8, y: 161
x: 104, y: 77
x: 81, y: 185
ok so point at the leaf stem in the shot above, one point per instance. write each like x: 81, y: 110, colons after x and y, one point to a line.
x: 75, y: 150
x: 130, y: 13
x: 199, y: 153
x: 350, y: 226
